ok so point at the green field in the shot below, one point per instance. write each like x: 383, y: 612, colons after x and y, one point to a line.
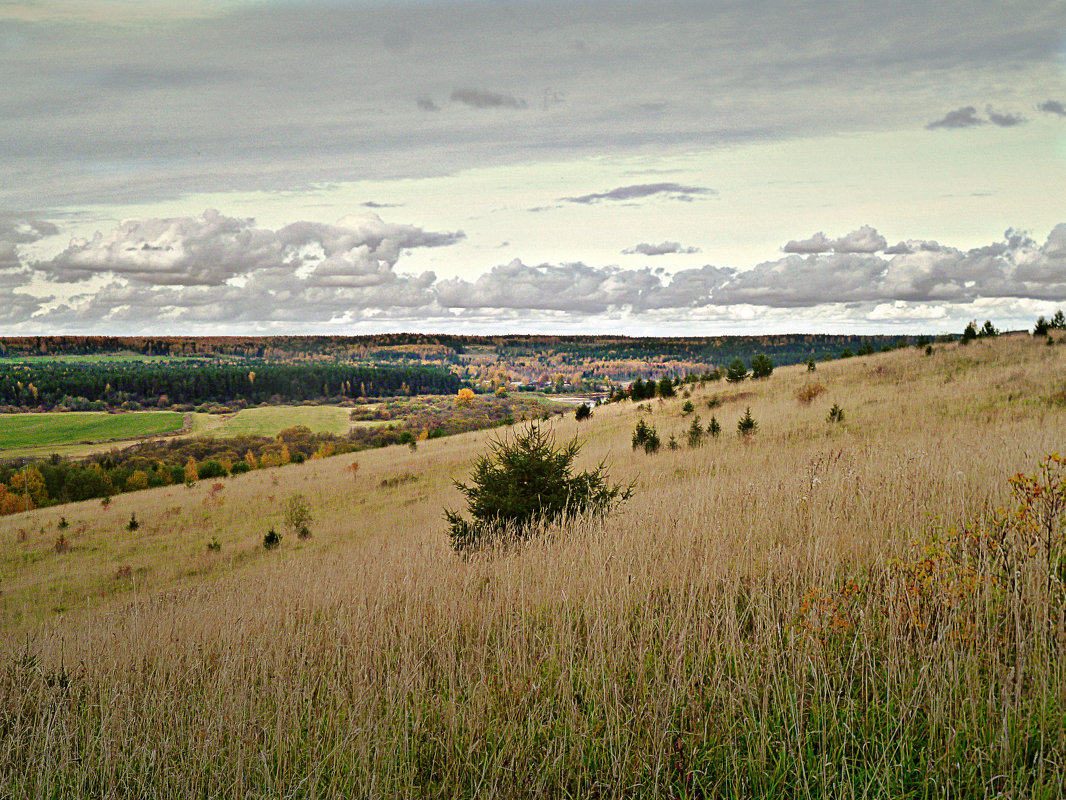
x: 26, y: 431
x: 271, y: 420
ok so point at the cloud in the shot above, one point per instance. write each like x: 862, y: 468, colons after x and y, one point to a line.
x: 579, y: 288
x: 22, y: 230
x: 965, y: 117
x: 862, y: 240
x: 1053, y: 107
x: 214, y: 249
x: 1005, y: 120
x: 674, y: 191
x: 373, y: 204
x: 215, y: 272
x: 819, y: 243
x: 666, y: 248
x: 426, y: 104
x: 476, y: 98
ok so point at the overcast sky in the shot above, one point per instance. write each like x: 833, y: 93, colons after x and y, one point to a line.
x: 551, y: 166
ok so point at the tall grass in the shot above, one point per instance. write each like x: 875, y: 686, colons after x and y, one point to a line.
x: 796, y: 614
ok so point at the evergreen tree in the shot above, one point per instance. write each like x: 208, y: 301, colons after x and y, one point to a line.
x: 761, y: 366
x: 695, y: 433
x: 746, y: 425
x: 736, y: 371
x: 666, y: 387
x: 526, y: 480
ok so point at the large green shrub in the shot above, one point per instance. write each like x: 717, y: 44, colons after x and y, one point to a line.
x: 524, y: 481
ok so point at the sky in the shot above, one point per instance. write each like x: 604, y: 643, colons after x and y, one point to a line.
x: 530, y: 166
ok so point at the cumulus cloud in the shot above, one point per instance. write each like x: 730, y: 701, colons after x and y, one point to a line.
x: 1053, y: 107
x: 674, y: 191
x: 213, y: 249
x: 580, y: 288
x: 217, y: 272
x: 965, y: 117
x: 862, y: 240
x: 665, y: 248
x: 475, y: 98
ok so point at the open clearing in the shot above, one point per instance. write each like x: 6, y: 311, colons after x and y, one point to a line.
x: 21, y: 433
x: 271, y: 420
x: 814, y: 611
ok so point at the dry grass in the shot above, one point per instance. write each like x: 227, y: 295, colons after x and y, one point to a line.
x: 738, y: 630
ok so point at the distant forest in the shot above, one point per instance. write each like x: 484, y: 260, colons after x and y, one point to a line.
x: 85, y: 386
x: 447, y: 348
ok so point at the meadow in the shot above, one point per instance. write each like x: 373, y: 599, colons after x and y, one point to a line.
x: 23, y: 433
x: 821, y: 609
x: 271, y: 420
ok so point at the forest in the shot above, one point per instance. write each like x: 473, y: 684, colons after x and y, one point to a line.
x: 91, y: 386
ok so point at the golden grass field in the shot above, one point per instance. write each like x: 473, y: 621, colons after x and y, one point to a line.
x: 783, y: 616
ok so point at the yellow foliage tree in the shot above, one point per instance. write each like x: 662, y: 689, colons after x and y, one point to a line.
x: 137, y: 480
x: 465, y: 397
x: 29, y: 482
x: 190, y: 470
x: 250, y: 460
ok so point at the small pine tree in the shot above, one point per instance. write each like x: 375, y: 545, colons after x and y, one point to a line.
x: 746, y: 425
x: 671, y: 443
x: 271, y: 540
x: 640, y: 434
x: 665, y: 387
x: 1058, y: 321
x: 525, y: 480
x: 810, y: 365
x: 688, y: 408
x: 988, y: 330
x: 695, y: 433
x: 969, y: 333
x: 736, y: 371
x: 714, y: 428
x: 652, y: 442
x: 836, y: 414
x: 1041, y: 327
x: 133, y: 524
x: 582, y: 412
x: 761, y: 366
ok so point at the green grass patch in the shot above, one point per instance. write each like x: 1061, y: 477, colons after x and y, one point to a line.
x: 271, y: 420
x: 39, y: 430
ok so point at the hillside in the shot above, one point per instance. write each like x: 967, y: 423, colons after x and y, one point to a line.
x: 787, y: 614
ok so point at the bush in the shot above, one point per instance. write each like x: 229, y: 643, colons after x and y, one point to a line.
x: 298, y: 517
x: 806, y: 393
x: 271, y: 540
x: 240, y: 468
x: 746, y: 425
x: 526, y: 480
x: 210, y: 469
x: 810, y: 365
x: 582, y: 412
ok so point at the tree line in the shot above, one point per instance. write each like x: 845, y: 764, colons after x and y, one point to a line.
x: 78, y: 386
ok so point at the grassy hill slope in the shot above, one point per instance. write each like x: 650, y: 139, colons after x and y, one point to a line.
x: 801, y: 613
